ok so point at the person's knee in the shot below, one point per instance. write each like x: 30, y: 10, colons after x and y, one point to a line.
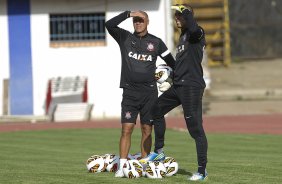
x: 194, y: 127
x: 159, y: 122
x: 194, y: 132
x: 126, y: 131
x: 146, y: 130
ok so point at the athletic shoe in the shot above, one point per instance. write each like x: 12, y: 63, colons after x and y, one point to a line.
x: 198, y: 177
x: 119, y: 174
x: 153, y: 157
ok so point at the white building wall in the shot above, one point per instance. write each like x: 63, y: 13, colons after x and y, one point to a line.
x: 4, y: 49
x: 100, y: 64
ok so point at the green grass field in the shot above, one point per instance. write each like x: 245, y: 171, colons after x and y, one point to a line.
x: 58, y: 156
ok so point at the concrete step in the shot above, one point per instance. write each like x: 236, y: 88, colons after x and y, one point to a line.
x: 23, y: 118
x: 247, y: 94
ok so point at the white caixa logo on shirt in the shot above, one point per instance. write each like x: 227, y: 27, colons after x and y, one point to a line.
x: 140, y: 57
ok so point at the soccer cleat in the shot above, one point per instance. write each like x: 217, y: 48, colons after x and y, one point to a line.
x: 153, y: 157
x: 198, y: 177
x: 119, y: 174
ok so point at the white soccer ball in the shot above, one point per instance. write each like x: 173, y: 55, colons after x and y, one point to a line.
x: 162, y: 73
x: 111, y: 162
x: 105, y: 156
x: 155, y: 169
x: 132, y: 169
x: 171, y: 166
x: 95, y: 164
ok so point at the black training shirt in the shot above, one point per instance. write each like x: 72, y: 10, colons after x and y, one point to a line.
x: 189, y: 54
x: 138, y: 55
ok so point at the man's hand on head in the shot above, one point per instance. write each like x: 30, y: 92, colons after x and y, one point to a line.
x: 137, y: 14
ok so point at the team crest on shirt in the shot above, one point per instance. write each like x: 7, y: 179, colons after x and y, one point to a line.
x: 179, y: 49
x: 150, y: 47
x: 127, y: 115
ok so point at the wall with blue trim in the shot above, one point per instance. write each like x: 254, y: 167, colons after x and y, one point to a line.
x: 31, y: 62
x: 21, y: 88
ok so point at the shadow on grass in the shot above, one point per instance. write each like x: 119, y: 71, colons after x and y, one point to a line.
x: 184, y: 172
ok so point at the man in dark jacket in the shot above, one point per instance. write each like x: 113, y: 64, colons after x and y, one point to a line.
x: 139, y: 52
x: 187, y: 90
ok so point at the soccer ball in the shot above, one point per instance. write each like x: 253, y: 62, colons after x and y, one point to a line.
x: 171, y: 166
x: 155, y: 169
x: 95, y: 164
x: 162, y: 73
x: 105, y: 156
x: 111, y: 162
x: 132, y: 169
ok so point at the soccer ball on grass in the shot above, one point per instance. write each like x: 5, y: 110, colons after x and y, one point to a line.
x: 171, y: 166
x: 111, y: 162
x: 132, y: 169
x: 95, y: 164
x: 155, y: 169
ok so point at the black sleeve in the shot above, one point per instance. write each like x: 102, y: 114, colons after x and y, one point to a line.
x: 170, y: 61
x: 196, y: 32
x: 112, y: 25
x: 165, y: 54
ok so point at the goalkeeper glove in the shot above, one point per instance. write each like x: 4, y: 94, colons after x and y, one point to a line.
x: 179, y: 8
x: 164, y: 86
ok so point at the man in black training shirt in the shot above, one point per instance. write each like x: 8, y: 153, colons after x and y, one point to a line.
x: 139, y: 52
x: 187, y: 90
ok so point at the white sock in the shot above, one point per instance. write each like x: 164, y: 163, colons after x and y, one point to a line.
x: 121, y: 163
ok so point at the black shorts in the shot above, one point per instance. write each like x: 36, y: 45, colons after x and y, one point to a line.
x: 135, y: 102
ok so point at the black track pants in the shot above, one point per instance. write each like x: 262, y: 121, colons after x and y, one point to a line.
x: 191, y: 100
